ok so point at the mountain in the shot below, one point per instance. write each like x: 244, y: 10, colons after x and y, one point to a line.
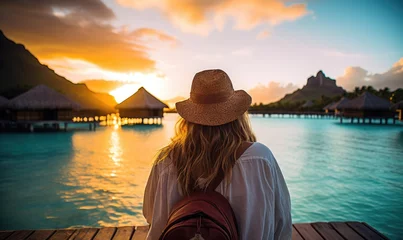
x: 107, y: 99
x: 314, y: 89
x: 20, y: 71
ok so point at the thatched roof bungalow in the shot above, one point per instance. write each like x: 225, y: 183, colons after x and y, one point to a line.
x: 366, y: 105
x: 42, y: 103
x: 141, y: 104
x: 326, y: 108
x: 338, y: 104
x: 334, y: 107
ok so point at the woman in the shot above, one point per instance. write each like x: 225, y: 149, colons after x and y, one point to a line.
x: 214, y: 135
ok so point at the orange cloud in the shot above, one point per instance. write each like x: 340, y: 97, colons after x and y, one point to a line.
x: 271, y: 92
x: 147, y: 33
x: 76, y: 30
x: 203, y: 16
x: 353, y: 77
x: 357, y: 77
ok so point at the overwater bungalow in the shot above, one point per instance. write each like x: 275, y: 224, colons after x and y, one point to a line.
x: 142, y: 107
x: 42, y: 105
x: 366, y: 106
x: 327, y: 108
x: 335, y: 107
x: 398, y: 107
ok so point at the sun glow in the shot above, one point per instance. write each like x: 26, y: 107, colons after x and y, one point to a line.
x: 123, y: 92
x: 75, y: 69
x: 151, y: 81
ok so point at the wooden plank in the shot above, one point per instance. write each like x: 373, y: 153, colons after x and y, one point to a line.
x: 307, y: 231
x: 63, y: 234
x: 20, y: 235
x: 327, y: 231
x: 105, y: 233
x: 373, y: 229
x: 295, y: 234
x: 75, y: 233
x: 346, y: 231
x: 5, y: 234
x: 41, y: 234
x: 123, y: 233
x: 84, y: 234
x: 364, y: 231
x: 140, y: 233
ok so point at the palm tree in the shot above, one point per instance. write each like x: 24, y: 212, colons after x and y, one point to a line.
x: 356, y: 91
x: 385, y: 93
x: 371, y: 89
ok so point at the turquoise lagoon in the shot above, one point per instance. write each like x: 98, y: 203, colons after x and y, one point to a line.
x: 335, y: 172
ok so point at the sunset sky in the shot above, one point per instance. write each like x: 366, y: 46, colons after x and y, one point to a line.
x: 268, y: 47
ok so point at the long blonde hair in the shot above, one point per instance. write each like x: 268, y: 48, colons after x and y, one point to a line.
x: 200, y: 152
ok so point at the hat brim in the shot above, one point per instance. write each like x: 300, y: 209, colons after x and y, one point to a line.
x: 217, y: 113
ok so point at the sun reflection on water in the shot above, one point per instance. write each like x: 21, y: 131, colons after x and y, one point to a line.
x: 115, y: 150
x: 105, y: 179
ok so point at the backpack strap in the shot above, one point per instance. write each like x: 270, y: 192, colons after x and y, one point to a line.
x: 220, y: 176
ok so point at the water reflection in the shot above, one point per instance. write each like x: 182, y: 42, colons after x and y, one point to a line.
x: 104, y: 182
x: 115, y: 150
x: 30, y: 167
x: 143, y: 129
x: 333, y: 171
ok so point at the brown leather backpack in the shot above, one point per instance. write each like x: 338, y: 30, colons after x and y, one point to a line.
x: 203, y: 215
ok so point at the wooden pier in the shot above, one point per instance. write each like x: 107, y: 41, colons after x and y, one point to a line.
x: 368, y: 120
x: 41, y: 126
x: 301, y: 231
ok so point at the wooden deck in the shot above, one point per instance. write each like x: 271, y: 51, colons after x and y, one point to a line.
x: 301, y: 231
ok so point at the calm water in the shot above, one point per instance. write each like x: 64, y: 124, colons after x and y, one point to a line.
x: 334, y: 173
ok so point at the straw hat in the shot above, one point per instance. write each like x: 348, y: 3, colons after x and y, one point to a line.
x: 213, y: 100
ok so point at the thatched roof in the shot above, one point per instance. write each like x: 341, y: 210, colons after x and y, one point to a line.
x: 308, y: 104
x: 42, y: 97
x: 366, y: 101
x: 398, y: 105
x: 328, y: 106
x: 338, y: 104
x: 141, y: 99
x: 3, y: 101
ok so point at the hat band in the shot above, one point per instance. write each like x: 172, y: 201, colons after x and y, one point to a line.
x: 210, y: 98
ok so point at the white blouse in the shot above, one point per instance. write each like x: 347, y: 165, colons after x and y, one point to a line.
x: 257, y: 193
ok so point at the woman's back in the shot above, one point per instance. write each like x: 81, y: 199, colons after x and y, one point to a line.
x: 213, y: 129
x: 257, y: 193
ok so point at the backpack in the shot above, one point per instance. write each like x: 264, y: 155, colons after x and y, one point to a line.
x: 203, y: 215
